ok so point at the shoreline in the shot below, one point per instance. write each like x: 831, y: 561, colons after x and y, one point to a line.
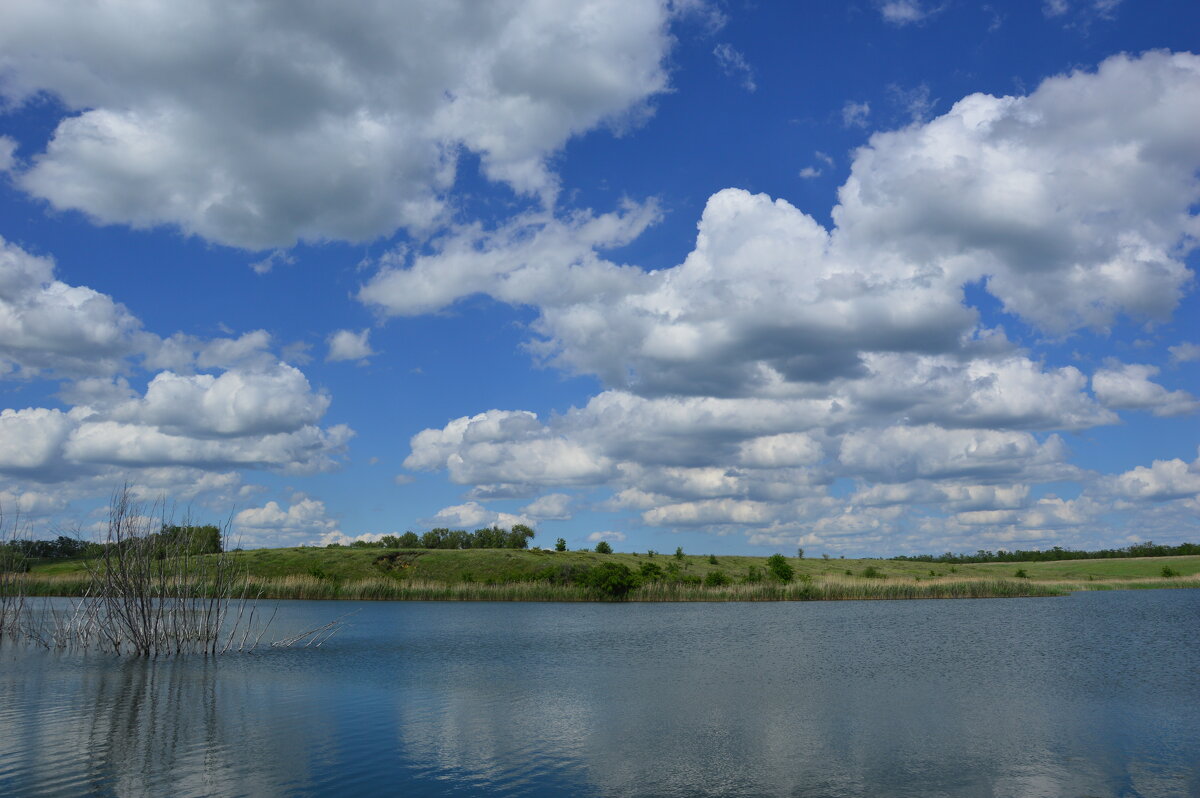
x: 301, y: 587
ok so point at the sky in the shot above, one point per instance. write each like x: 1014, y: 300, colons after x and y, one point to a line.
x: 873, y: 278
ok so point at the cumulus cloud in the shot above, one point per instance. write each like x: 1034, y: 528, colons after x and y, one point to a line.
x: 341, y: 124
x: 1185, y: 352
x: 782, y: 356
x: 596, y: 537
x: 349, y: 345
x: 249, y: 420
x: 551, y: 507
x: 473, y: 515
x: 233, y: 404
x: 1006, y: 188
x: 48, y: 326
x: 533, y: 258
x: 1128, y: 386
x: 1163, y: 480
x: 899, y: 454
x: 303, y: 519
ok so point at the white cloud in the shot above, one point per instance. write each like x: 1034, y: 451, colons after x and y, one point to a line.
x: 1127, y: 386
x: 48, y: 325
x: 306, y: 450
x: 473, y: 515
x: 712, y: 512
x: 233, y: 404
x: 1006, y: 189
x: 810, y: 172
x: 782, y: 450
x: 899, y: 454
x: 8, y: 153
x: 18, y: 507
x: 304, y: 518
x: 856, y: 114
x: 31, y: 439
x: 341, y: 124
x: 521, y: 262
x: 1163, y: 480
x: 734, y: 64
x: 349, y: 345
x: 551, y: 507
x: 1186, y: 352
x: 1103, y: 9
x: 905, y: 12
x: 618, y: 537
x: 1055, y: 8
x: 263, y: 420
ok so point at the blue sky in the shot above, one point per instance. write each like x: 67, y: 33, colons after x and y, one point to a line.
x: 872, y: 278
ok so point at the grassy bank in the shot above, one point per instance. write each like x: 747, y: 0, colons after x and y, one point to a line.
x: 534, y: 575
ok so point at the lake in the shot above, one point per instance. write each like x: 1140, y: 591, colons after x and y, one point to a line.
x: 1096, y: 694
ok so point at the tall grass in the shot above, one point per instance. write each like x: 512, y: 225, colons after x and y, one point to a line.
x: 821, y: 589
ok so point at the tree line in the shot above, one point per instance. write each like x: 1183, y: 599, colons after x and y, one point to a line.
x: 493, y: 537
x: 15, y: 554
x: 1147, y: 549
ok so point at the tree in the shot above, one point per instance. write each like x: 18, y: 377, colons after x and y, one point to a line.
x: 603, y: 548
x: 409, y: 540
x: 519, y: 537
x: 679, y: 552
x: 191, y: 539
x: 800, y: 554
x: 560, y: 544
x: 712, y: 559
x: 778, y: 565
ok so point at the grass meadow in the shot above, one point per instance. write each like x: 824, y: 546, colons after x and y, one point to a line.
x: 535, y: 575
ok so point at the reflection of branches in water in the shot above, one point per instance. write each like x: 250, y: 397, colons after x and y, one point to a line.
x: 153, y: 590
x: 314, y: 637
x: 150, y: 714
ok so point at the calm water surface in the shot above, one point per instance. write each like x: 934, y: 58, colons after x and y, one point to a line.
x: 1092, y: 695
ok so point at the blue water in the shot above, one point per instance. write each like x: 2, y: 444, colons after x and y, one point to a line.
x: 1096, y: 694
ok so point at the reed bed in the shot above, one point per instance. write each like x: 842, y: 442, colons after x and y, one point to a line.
x: 822, y: 588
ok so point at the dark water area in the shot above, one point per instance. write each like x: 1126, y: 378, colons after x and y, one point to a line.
x: 1096, y: 694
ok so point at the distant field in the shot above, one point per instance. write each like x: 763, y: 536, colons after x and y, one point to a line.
x: 507, y: 574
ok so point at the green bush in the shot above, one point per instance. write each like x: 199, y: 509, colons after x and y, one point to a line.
x: 712, y: 559
x: 613, y: 580
x: 871, y: 572
x: 560, y: 544
x: 716, y: 579
x: 651, y: 572
x: 753, y: 576
x: 779, y: 567
x: 679, y: 552
x: 1020, y: 574
x: 603, y: 548
x: 1168, y: 572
